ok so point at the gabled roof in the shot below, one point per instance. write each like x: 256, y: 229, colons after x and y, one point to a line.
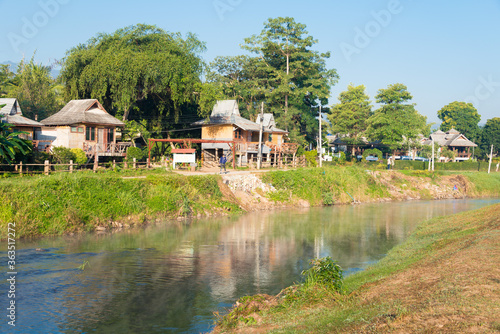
x: 269, y: 123
x: 88, y: 111
x: 227, y: 112
x: 225, y: 108
x: 13, y: 114
x: 451, y: 138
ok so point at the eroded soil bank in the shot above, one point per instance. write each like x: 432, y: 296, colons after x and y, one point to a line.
x: 253, y: 193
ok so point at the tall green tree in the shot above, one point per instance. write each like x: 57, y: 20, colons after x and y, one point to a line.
x: 241, y: 78
x: 139, y: 73
x: 491, y: 136
x: 35, y: 89
x: 348, y: 117
x: 285, y: 73
x: 6, y: 80
x: 397, y: 120
x: 461, y: 116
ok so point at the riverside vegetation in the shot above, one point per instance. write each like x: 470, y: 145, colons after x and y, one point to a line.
x: 444, y: 279
x: 84, y: 201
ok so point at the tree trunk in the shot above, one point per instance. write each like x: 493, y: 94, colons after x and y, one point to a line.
x: 286, y: 96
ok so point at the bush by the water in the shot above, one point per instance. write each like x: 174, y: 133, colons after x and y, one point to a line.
x: 326, y: 272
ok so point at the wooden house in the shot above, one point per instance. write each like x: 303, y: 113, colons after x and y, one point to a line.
x: 226, y: 123
x: 11, y: 113
x: 84, y: 124
x: 455, y: 141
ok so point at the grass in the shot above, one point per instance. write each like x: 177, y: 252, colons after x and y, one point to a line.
x: 442, y: 279
x: 47, y: 205
x: 333, y: 184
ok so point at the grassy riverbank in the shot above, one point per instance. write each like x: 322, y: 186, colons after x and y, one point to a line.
x: 342, y: 185
x: 56, y: 204
x: 443, y: 279
x: 84, y: 201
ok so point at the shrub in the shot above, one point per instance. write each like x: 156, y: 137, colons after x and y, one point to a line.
x: 311, y: 158
x: 326, y: 272
x: 340, y: 160
x: 328, y: 198
x: 372, y: 152
x: 80, y: 156
x: 134, y: 152
x: 62, y: 155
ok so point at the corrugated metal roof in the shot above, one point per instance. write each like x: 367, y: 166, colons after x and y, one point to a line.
x: 12, y: 114
x: 227, y: 112
x: 225, y: 108
x: 88, y: 111
x: 11, y: 106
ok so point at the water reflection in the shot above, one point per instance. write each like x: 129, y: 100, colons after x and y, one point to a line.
x: 172, y: 278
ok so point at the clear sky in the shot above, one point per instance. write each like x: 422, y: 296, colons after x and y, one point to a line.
x: 444, y: 51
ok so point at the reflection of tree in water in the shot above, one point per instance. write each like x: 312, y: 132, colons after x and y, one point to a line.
x: 165, y: 277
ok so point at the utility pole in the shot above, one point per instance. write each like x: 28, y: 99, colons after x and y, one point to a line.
x: 491, y: 156
x: 432, y: 154
x: 320, y: 146
x: 259, y: 154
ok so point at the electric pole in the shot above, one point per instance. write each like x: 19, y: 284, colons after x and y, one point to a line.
x: 432, y: 154
x: 320, y: 146
x: 259, y: 154
x: 491, y: 156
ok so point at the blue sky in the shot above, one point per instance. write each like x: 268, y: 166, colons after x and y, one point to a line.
x: 444, y: 51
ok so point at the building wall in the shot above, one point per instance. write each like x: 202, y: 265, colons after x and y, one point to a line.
x: 217, y: 132
x: 29, y: 130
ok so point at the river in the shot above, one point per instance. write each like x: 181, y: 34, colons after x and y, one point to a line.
x: 170, y: 278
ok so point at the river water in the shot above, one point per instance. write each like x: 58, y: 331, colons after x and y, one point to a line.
x: 170, y: 278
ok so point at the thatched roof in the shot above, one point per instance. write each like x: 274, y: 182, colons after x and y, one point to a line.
x: 12, y: 114
x: 227, y: 112
x: 88, y: 111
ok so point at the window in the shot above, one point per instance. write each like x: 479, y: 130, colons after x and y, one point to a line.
x: 110, y: 135
x: 78, y: 129
x: 90, y: 133
x: 270, y: 138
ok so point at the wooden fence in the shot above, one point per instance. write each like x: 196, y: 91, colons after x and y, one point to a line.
x: 48, y: 168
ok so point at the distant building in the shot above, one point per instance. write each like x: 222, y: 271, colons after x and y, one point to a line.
x: 11, y: 113
x: 454, y: 140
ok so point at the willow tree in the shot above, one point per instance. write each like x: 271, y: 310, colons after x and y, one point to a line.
x: 397, y: 120
x: 139, y: 73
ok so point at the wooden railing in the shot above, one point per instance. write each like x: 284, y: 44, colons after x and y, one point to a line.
x: 109, y: 149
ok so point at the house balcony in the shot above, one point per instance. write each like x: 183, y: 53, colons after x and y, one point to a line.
x: 106, y: 150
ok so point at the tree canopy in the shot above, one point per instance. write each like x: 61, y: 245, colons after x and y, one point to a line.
x: 396, y: 120
x: 140, y: 73
x: 461, y: 116
x: 349, y: 116
x: 35, y: 89
x: 285, y: 73
x: 491, y: 136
